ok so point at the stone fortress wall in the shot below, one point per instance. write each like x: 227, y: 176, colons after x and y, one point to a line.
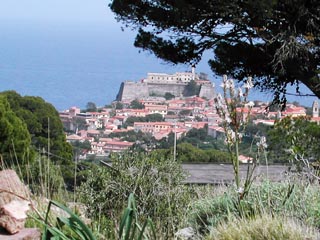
x: 132, y: 90
x: 161, y: 83
x: 160, y: 89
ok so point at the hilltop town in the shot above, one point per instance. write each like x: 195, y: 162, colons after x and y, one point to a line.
x: 161, y: 95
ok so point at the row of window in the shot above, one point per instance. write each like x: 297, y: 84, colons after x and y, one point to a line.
x: 170, y: 78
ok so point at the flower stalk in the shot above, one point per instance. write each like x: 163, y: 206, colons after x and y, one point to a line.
x: 234, y: 109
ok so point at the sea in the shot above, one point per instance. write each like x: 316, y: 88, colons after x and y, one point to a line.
x: 73, y: 65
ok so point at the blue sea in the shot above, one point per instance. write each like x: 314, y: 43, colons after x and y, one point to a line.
x: 72, y: 65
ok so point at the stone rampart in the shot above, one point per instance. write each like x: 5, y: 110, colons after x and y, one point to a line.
x: 207, y: 91
x: 132, y: 90
x: 161, y: 89
x: 136, y: 90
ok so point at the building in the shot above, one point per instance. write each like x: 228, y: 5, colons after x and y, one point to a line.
x: 160, y: 109
x: 152, y: 127
x: 74, y: 138
x: 216, y: 131
x: 315, y: 109
x: 315, y: 112
x: 117, y: 146
x: 179, y: 77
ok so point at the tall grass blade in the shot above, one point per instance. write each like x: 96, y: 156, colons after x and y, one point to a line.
x: 123, y: 221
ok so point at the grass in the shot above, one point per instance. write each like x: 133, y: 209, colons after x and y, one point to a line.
x: 292, y: 200
x: 263, y: 227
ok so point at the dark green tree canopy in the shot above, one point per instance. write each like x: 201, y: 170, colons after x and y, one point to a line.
x: 191, y: 89
x: 91, y: 107
x: 274, y: 41
x: 135, y: 104
x: 168, y: 96
x: 15, y: 139
x: 292, y: 136
x: 43, y: 122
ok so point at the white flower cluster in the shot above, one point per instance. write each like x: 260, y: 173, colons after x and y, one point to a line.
x: 227, y: 105
x: 262, y: 144
x: 227, y: 83
x: 239, y: 95
x: 232, y: 137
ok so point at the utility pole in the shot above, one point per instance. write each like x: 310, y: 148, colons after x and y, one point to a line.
x: 175, y: 142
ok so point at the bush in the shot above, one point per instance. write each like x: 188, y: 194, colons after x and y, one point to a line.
x: 188, y: 153
x: 155, y: 183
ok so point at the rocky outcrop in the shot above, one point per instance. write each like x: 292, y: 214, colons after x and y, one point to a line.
x: 13, y: 215
x: 11, y: 187
x: 14, y: 206
x: 24, y: 234
x: 186, y: 234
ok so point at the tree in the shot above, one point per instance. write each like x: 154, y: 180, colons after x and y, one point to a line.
x: 191, y: 89
x: 135, y: 104
x: 91, y: 107
x: 168, y: 96
x: 80, y: 123
x: 185, y: 112
x: 166, y: 142
x: 43, y: 123
x: 79, y: 148
x: 132, y: 119
x: 119, y: 105
x: 186, y: 152
x: 200, y: 134
x: 296, y: 103
x: 275, y: 42
x: 293, y: 137
x: 15, y: 139
x: 154, y: 117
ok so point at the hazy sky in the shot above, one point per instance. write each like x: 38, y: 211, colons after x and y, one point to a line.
x: 56, y: 11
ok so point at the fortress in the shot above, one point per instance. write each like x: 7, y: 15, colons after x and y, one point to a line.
x: 158, y: 84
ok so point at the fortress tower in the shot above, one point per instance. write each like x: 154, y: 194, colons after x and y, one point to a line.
x: 315, y: 109
x: 193, y: 71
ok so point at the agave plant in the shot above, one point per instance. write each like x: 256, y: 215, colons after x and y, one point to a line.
x: 65, y: 228
x: 129, y: 226
x: 72, y: 227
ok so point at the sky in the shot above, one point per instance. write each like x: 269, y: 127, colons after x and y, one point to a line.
x: 67, y: 16
x: 57, y: 11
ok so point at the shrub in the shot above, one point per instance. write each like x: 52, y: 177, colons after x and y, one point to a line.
x: 154, y: 181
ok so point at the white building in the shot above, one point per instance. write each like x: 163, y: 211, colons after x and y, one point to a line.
x: 179, y: 77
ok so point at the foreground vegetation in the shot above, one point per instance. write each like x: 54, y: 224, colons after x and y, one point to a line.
x: 160, y: 201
